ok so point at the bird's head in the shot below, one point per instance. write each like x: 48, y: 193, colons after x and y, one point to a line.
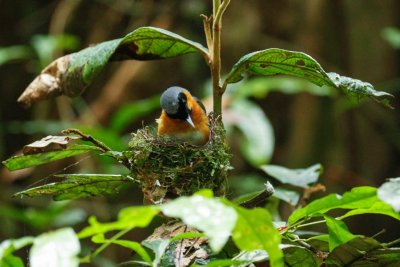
x: 175, y: 101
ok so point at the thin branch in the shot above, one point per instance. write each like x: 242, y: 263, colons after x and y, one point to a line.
x: 88, y: 138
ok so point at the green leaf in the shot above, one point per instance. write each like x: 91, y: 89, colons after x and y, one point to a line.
x: 338, y: 232
x: 352, y: 251
x: 254, y: 230
x: 72, y: 74
x: 9, y: 246
x: 379, y: 207
x: 134, y: 246
x: 296, y: 256
x: 278, y: 61
x: 357, y: 198
x: 15, y: 52
x: 209, y: 215
x: 79, y: 186
x: 59, y: 248
x: 289, y: 196
x: 11, y: 261
x: 258, y: 137
x: 130, y: 112
x: 25, y: 161
x: 358, y: 88
x: 297, y: 177
x: 130, y: 217
x: 389, y: 192
x: 159, y: 247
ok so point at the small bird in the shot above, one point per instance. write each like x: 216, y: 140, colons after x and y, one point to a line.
x: 183, y: 116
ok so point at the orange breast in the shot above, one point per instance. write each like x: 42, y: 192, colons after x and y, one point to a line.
x: 169, y: 126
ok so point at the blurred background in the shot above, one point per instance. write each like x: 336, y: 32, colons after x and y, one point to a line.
x: 278, y: 120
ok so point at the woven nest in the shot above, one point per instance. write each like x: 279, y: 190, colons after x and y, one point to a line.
x: 166, y: 168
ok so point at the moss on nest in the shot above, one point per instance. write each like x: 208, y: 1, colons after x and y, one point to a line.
x: 167, y: 168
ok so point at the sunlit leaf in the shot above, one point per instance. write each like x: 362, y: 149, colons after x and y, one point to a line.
x: 338, y: 232
x: 7, y: 247
x: 209, y: 215
x: 254, y: 230
x: 72, y: 74
x: 79, y: 186
x: 25, y: 161
x: 358, y: 88
x: 130, y: 217
x: 389, y: 192
x: 279, y: 61
x: 134, y: 246
x: 379, y: 207
x: 357, y: 198
x: 258, y: 137
x: 59, y: 248
x: 11, y: 261
x: 298, y: 177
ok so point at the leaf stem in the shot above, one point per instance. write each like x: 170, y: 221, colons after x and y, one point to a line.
x: 310, y: 223
x: 110, y: 241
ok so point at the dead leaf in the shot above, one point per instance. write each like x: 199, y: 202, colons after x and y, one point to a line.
x: 49, y: 143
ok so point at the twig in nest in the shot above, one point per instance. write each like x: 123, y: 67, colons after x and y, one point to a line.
x: 89, y: 138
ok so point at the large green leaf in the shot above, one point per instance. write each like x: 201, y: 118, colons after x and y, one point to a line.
x: 25, y: 161
x: 363, y: 251
x: 389, y: 192
x: 79, y: 186
x: 209, y: 215
x: 279, y: 61
x: 379, y: 207
x: 296, y: 256
x: 71, y: 74
x: 130, y: 217
x: 59, y: 248
x: 254, y: 230
x: 338, y: 232
x: 357, y: 198
x: 297, y: 177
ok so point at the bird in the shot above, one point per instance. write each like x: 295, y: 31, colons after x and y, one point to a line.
x: 183, y: 116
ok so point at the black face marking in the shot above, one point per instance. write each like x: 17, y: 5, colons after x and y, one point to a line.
x: 183, y: 111
x: 200, y: 104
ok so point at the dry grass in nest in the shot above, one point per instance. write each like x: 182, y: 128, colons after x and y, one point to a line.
x: 167, y: 168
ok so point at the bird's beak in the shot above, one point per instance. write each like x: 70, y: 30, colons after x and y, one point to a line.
x: 189, y: 120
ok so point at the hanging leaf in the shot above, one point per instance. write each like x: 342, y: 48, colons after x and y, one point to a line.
x: 25, y: 161
x: 279, y: 61
x: 389, y: 192
x: 79, y: 186
x: 70, y: 75
x: 297, y: 177
x: 359, y: 89
x: 289, y: 196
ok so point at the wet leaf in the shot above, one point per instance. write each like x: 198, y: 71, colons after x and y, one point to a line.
x: 130, y: 217
x: 338, y: 232
x: 357, y: 198
x: 59, y: 248
x: 209, y: 215
x: 49, y: 143
x: 389, y: 192
x: 254, y: 230
x: 25, y: 161
x: 279, y: 61
x: 79, y: 186
x: 359, y: 89
x: 72, y: 74
x: 298, y: 177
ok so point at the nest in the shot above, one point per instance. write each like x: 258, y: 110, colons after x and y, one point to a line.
x: 166, y: 168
